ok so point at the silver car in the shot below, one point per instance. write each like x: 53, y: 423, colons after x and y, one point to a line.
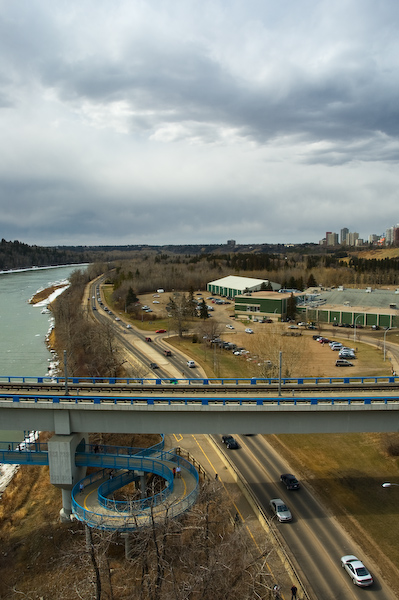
x: 356, y: 569
x: 281, y: 511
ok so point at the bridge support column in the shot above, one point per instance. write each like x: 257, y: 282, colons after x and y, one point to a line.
x: 143, y: 484
x: 128, y: 548
x: 63, y: 471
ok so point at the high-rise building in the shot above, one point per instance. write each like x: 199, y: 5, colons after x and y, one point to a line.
x: 344, y: 235
x: 351, y: 238
x: 392, y: 236
x: 331, y: 239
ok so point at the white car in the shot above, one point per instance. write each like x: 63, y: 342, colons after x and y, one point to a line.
x: 281, y: 511
x: 248, y: 330
x: 191, y: 364
x: 229, y: 326
x: 357, y: 571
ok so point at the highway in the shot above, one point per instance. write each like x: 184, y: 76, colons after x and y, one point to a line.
x: 314, y: 538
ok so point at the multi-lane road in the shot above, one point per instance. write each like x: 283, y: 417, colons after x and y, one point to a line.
x: 313, y: 538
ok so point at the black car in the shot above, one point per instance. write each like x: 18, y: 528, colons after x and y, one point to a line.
x: 231, y: 443
x: 153, y: 366
x: 290, y: 481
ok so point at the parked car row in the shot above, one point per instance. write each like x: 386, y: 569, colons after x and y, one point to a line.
x: 345, y: 354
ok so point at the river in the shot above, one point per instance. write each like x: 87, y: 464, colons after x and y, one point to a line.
x: 23, y: 326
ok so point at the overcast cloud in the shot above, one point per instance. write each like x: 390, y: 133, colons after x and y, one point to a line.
x: 196, y: 121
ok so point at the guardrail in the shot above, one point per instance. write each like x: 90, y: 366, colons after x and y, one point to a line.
x: 222, y: 381
x: 75, y: 401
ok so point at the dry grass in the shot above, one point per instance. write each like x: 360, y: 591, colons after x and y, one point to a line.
x: 315, y: 360
x: 378, y: 253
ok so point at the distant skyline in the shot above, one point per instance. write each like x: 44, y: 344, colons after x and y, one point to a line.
x: 196, y: 122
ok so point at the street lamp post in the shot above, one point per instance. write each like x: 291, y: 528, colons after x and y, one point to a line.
x: 388, y: 484
x: 354, y: 331
x: 385, y: 335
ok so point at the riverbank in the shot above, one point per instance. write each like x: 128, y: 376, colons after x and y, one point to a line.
x: 47, y: 295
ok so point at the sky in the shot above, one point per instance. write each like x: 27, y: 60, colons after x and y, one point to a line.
x: 197, y: 121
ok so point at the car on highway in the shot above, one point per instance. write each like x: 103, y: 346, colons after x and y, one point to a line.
x: 290, y: 481
x: 356, y: 570
x: 230, y: 441
x: 148, y: 339
x: 191, y: 364
x: 153, y: 366
x: 280, y: 510
x: 160, y: 331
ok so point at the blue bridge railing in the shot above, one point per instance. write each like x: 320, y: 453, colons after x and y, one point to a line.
x: 222, y: 381
x: 187, y: 400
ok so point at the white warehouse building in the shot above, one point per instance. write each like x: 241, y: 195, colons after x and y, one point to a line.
x: 233, y: 285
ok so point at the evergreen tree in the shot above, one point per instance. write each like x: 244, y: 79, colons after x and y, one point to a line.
x: 311, y: 281
x: 203, y: 310
x: 291, y: 307
x: 131, y: 298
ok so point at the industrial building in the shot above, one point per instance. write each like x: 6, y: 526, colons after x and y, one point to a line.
x: 264, y: 305
x: 233, y: 285
x: 366, y: 307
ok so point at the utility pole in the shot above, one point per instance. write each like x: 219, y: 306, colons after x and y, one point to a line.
x: 66, y: 373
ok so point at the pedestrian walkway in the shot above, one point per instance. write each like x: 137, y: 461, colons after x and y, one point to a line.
x: 93, y: 502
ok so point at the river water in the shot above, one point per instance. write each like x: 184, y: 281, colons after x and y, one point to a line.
x: 23, y: 326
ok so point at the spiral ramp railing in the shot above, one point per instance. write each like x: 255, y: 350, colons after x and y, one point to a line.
x: 92, y: 496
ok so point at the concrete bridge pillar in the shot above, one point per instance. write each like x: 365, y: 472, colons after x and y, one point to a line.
x: 143, y: 484
x: 63, y: 471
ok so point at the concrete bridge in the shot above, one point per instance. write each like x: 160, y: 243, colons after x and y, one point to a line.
x: 170, y: 409
x: 202, y: 413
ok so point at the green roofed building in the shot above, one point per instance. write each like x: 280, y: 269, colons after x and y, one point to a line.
x: 264, y: 305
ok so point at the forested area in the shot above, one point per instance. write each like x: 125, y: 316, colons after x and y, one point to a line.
x: 170, y: 267
x: 16, y: 255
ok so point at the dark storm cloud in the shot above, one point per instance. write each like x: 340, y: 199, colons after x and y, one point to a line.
x: 204, y: 119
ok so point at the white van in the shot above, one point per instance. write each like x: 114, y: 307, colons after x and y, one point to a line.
x: 191, y: 364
